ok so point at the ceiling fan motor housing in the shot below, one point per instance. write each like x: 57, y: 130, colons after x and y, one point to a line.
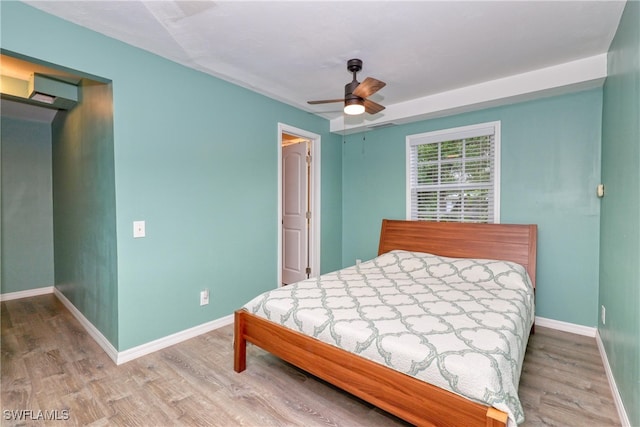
x: 349, y: 88
x: 354, y: 65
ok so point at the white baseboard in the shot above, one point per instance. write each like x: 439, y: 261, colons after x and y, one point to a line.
x: 97, y: 336
x: 26, y: 294
x: 591, y: 332
x: 566, y: 326
x: 169, y: 340
x: 144, y: 349
x: 622, y: 413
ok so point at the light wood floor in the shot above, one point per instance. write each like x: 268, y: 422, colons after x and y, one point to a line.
x: 49, y: 363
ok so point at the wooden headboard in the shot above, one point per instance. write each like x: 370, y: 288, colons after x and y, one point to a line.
x: 508, y: 242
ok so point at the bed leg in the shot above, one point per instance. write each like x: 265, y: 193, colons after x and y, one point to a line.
x: 496, y: 418
x: 239, y: 344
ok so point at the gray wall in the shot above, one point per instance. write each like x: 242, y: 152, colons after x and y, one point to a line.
x: 27, y: 226
x: 620, y: 221
x: 84, y: 208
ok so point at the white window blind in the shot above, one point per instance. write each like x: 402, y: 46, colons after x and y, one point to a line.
x: 453, y: 175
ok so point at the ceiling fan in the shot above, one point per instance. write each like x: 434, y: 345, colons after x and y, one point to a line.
x: 356, y: 93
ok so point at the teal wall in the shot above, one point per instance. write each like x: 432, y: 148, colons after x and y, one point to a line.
x: 201, y: 171
x: 550, y: 157
x: 84, y: 214
x: 196, y: 158
x: 27, y: 225
x: 620, y: 221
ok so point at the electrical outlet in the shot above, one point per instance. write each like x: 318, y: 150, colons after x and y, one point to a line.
x: 603, y: 314
x: 204, y: 297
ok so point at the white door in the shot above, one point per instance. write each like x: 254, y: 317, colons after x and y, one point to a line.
x: 295, y: 247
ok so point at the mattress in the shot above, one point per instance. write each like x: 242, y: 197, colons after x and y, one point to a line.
x: 459, y: 324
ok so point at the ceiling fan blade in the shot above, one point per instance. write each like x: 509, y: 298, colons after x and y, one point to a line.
x: 368, y: 87
x: 325, y: 101
x: 372, y: 107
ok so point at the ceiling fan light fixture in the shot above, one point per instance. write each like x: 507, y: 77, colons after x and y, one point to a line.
x: 356, y: 94
x: 353, y: 107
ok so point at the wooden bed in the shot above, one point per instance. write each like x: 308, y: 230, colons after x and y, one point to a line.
x: 411, y: 399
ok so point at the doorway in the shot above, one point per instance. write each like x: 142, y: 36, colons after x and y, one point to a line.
x: 298, y: 204
x: 78, y: 247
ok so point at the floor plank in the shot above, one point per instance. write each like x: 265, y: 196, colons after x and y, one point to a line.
x: 49, y: 363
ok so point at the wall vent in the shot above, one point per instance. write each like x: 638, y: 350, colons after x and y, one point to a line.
x: 382, y: 125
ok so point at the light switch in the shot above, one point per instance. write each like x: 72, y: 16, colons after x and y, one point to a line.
x: 138, y: 229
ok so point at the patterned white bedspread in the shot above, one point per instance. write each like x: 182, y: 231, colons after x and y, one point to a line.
x: 460, y: 324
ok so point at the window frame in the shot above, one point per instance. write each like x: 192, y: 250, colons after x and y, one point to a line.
x: 453, y: 134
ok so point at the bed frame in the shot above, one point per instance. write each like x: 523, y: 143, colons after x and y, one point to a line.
x: 413, y: 400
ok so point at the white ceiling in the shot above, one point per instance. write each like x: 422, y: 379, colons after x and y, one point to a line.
x: 425, y: 51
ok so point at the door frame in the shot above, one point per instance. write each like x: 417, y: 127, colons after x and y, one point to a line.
x: 314, y: 199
